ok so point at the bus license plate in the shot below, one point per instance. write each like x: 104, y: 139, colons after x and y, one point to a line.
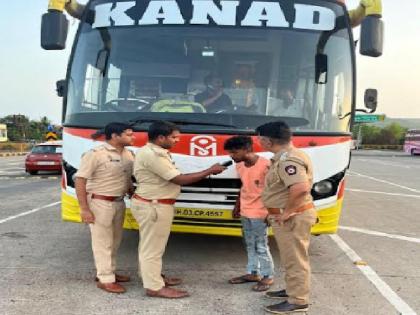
x: 199, y: 213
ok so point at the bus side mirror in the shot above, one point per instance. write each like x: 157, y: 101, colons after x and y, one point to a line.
x: 54, y: 29
x: 61, y: 87
x: 372, y: 36
x: 371, y: 99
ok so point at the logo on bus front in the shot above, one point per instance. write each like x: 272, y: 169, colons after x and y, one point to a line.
x: 203, y: 146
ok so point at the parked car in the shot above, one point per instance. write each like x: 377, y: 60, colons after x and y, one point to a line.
x: 46, y: 156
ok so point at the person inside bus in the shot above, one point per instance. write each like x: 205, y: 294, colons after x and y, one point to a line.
x: 243, y: 80
x: 213, y: 98
x: 288, y: 105
x: 291, y: 107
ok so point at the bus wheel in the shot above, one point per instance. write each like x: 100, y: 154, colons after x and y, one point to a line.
x: 33, y: 172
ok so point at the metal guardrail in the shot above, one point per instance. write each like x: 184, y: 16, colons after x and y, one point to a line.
x: 3, y: 154
x: 15, y: 147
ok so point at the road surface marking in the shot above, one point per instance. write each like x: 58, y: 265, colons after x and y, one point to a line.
x: 392, y: 297
x: 387, y: 182
x: 11, y: 169
x: 382, y: 193
x: 376, y: 233
x: 29, y: 212
x: 387, y: 164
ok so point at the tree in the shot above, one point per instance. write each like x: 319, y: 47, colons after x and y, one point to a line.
x: 370, y: 134
x: 21, y: 128
x: 396, y: 133
x: 392, y: 134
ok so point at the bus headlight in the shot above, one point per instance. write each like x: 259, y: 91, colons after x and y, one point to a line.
x: 323, y: 188
x: 327, y: 187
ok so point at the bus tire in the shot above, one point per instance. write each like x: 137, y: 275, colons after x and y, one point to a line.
x: 33, y: 172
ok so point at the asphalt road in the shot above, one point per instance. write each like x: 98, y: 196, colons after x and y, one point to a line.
x: 46, y: 265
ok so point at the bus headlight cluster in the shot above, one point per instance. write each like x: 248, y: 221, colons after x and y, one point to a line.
x: 323, y: 188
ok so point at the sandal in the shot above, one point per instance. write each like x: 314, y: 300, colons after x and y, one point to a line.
x: 245, y: 278
x: 263, y: 285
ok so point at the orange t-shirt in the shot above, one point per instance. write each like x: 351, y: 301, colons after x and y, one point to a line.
x: 253, y: 179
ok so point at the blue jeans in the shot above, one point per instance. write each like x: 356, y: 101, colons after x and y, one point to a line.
x: 255, y: 236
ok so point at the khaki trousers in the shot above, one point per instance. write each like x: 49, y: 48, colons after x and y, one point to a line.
x: 293, y: 238
x: 106, y: 236
x: 155, y: 222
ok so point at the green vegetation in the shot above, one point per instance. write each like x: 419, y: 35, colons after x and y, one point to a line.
x: 21, y: 128
x: 392, y: 134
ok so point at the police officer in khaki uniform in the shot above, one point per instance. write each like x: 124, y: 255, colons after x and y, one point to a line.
x: 287, y: 196
x: 158, y: 185
x: 102, y: 181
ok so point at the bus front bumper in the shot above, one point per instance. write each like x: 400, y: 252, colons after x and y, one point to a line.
x: 211, y: 221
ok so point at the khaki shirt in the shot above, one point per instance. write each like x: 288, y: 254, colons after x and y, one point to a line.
x: 288, y: 167
x: 153, y: 170
x: 107, y: 171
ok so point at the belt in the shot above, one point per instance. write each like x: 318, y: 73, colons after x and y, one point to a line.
x: 297, y: 210
x: 108, y: 198
x: 163, y: 201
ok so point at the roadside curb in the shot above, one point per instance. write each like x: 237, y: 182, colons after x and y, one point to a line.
x: 3, y: 177
x: 3, y: 154
x: 382, y: 155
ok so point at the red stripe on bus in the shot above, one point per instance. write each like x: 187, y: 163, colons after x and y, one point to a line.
x: 63, y: 181
x: 202, y: 144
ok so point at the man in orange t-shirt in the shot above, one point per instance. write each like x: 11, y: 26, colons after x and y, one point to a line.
x: 249, y: 206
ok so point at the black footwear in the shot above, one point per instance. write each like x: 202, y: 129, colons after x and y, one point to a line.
x: 286, y: 307
x: 277, y: 294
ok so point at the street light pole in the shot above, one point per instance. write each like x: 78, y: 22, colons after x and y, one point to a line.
x: 359, y: 137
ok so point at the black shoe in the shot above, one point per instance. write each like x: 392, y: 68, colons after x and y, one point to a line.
x: 286, y: 307
x: 277, y: 294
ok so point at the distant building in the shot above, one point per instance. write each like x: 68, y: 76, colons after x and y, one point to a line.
x: 3, y: 133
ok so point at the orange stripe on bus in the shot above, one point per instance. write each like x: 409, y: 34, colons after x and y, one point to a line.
x: 341, y: 190
x: 186, y: 140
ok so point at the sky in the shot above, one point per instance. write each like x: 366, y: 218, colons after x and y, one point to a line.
x: 28, y: 73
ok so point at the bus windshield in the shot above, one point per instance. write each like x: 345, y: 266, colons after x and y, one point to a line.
x: 245, y: 76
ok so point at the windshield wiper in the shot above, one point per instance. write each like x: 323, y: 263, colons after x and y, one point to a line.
x: 138, y: 121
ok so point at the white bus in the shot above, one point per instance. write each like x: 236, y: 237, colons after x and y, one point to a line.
x: 142, y: 61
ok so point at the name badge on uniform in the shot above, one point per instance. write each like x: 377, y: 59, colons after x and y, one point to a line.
x: 113, y: 160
